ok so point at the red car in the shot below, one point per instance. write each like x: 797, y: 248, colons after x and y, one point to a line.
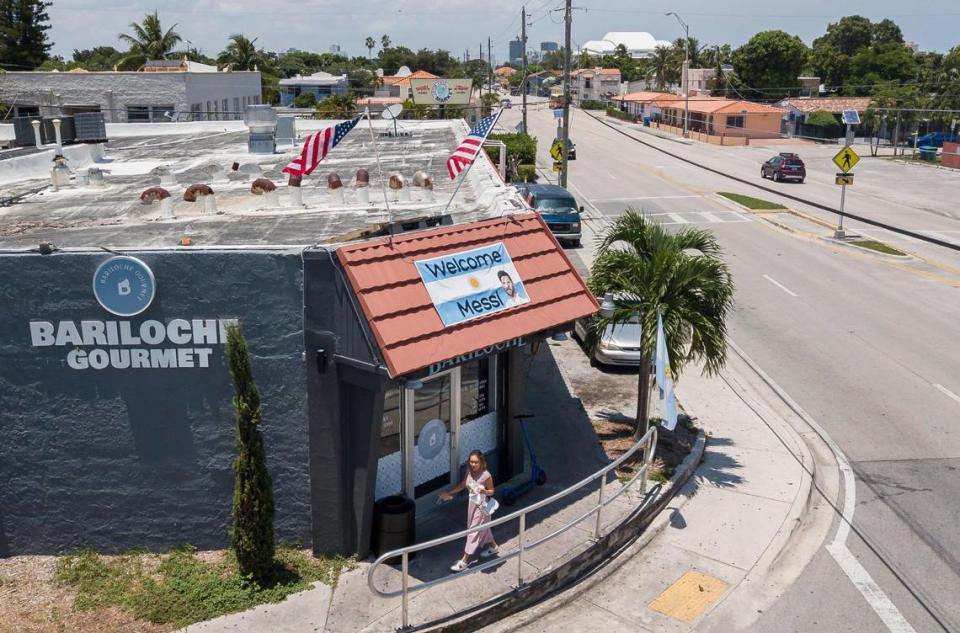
x: 784, y: 166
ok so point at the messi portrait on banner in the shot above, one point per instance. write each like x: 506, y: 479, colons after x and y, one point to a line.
x: 472, y: 284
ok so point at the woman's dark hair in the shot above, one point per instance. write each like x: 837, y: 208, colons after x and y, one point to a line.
x: 478, y: 455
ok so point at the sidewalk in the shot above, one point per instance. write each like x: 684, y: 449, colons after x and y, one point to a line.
x: 723, y: 534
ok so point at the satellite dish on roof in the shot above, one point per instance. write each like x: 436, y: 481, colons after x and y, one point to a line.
x: 392, y: 112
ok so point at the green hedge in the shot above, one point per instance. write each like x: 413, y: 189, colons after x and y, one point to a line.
x: 520, y: 145
x: 589, y: 104
x: 619, y: 114
x: 528, y: 173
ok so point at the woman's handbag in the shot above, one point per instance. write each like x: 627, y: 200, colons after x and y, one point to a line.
x: 490, y: 506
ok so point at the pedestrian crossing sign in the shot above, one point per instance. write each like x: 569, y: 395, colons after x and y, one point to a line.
x: 846, y: 159
x: 557, y: 166
x: 557, y: 150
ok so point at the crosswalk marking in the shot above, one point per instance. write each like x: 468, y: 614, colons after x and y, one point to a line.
x: 884, y: 235
x: 688, y: 217
x: 941, y: 236
x: 709, y: 217
x: 677, y: 218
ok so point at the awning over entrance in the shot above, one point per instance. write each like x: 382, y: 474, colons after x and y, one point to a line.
x: 404, y: 319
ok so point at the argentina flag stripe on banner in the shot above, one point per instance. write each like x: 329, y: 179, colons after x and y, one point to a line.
x: 471, y: 284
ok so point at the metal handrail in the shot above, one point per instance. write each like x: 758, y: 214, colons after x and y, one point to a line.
x: 649, y: 441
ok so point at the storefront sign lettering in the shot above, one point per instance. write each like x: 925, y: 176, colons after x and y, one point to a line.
x: 125, y: 345
x: 480, y: 353
x: 472, y: 284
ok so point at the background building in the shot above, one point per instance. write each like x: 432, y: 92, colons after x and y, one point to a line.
x: 640, y: 44
x: 320, y: 84
x: 549, y: 47
x: 163, y: 91
x: 594, y: 84
x: 516, y: 51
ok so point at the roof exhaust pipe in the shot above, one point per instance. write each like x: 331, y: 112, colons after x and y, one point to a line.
x: 362, y: 185
x: 265, y: 187
x: 153, y: 194
x: 296, y: 194
x: 204, y: 192
x: 335, y: 187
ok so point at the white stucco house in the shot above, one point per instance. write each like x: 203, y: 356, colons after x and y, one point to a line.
x: 164, y: 90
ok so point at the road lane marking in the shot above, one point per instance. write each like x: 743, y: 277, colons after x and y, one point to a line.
x: 851, y: 567
x: 709, y: 217
x: 780, y: 285
x: 677, y: 218
x: 947, y: 392
x: 612, y: 177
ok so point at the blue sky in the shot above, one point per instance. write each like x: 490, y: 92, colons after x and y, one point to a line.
x: 457, y: 25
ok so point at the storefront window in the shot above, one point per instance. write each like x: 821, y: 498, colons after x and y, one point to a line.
x: 474, y: 390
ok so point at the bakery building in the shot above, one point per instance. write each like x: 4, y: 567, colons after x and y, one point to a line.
x: 387, y: 341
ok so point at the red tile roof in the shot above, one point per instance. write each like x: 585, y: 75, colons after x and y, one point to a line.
x: 830, y: 104
x: 405, y: 81
x: 401, y: 316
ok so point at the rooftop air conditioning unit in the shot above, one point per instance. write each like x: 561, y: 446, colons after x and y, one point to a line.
x: 262, y: 121
x: 68, y: 130
x: 91, y: 127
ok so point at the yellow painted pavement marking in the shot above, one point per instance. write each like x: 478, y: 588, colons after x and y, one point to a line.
x: 690, y: 596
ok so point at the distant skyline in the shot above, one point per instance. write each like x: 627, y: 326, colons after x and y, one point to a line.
x: 459, y: 25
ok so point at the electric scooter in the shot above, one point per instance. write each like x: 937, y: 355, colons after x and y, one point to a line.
x: 538, y: 476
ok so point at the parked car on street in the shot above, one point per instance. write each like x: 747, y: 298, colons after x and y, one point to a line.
x: 619, y: 344
x: 558, y: 208
x: 784, y: 166
x: 936, y: 139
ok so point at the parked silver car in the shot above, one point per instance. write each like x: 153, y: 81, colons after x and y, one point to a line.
x: 618, y: 345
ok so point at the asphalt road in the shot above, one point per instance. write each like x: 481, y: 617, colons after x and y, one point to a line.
x: 866, y: 345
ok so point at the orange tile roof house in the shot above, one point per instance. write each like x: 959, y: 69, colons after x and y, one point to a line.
x: 722, y: 117
x: 641, y: 104
x: 799, y: 109
x: 399, y: 85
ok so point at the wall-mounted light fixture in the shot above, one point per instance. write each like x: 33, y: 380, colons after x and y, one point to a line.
x: 322, y: 360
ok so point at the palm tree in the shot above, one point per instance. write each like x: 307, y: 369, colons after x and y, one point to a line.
x: 370, y: 44
x: 149, y: 41
x: 680, y: 276
x: 385, y: 42
x: 240, y: 54
x: 660, y: 63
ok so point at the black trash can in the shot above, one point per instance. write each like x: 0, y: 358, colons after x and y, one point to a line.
x: 394, y: 525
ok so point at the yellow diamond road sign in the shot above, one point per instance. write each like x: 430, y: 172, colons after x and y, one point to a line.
x: 557, y: 151
x: 846, y: 159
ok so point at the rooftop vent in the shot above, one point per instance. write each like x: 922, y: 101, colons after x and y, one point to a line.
x: 262, y: 121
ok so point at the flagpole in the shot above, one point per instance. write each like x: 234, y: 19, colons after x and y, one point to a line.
x: 376, y: 152
x: 463, y: 176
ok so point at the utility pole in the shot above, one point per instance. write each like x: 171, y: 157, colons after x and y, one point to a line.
x: 523, y: 76
x: 481, y: 80
x: 489, y: 64
x: 567, y: 20
x: 685, y: 74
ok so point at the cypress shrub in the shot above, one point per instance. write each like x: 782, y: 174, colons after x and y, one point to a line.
x: 252, y: 534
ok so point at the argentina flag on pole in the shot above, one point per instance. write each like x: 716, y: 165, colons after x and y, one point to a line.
x: 472, y: 284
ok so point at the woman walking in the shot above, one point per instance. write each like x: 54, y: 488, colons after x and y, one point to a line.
x: 480, y: 484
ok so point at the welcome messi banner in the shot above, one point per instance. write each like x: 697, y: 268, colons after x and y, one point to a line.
x: 472, y: 284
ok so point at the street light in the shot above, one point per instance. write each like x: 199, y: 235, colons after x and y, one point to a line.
x: 686, y: 69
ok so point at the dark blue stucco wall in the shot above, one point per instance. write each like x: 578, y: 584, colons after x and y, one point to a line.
x: 124, y: 458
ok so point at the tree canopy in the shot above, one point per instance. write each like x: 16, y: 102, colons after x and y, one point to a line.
x: 148, y: 41
x: 23, y: 34
x: 768, y: 65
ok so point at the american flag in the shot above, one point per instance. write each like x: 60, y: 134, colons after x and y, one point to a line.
x: 316, y: 148
x: 470, y: 146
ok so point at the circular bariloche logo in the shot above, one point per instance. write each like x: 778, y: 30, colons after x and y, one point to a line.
x: 441, y: 91
x: 432, y: 439
x: 124, y: 286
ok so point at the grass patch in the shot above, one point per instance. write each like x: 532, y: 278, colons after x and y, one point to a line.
x: 183, y: 587
x: 880, y: 247
x: 749, y: 202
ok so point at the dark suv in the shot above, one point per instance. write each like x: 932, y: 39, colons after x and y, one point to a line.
x: 784, y: 166
x: 558, y: 208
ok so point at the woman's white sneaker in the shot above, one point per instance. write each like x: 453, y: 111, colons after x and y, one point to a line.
x: 459, y: 566
x: 491, y: 550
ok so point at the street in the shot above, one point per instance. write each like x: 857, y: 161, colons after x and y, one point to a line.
x: 865, y: 344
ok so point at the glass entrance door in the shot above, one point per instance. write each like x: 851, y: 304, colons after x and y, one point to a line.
x: 431, y: 437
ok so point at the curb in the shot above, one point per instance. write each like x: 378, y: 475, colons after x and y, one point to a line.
x: 587, y: 568
x: 899, y: 258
